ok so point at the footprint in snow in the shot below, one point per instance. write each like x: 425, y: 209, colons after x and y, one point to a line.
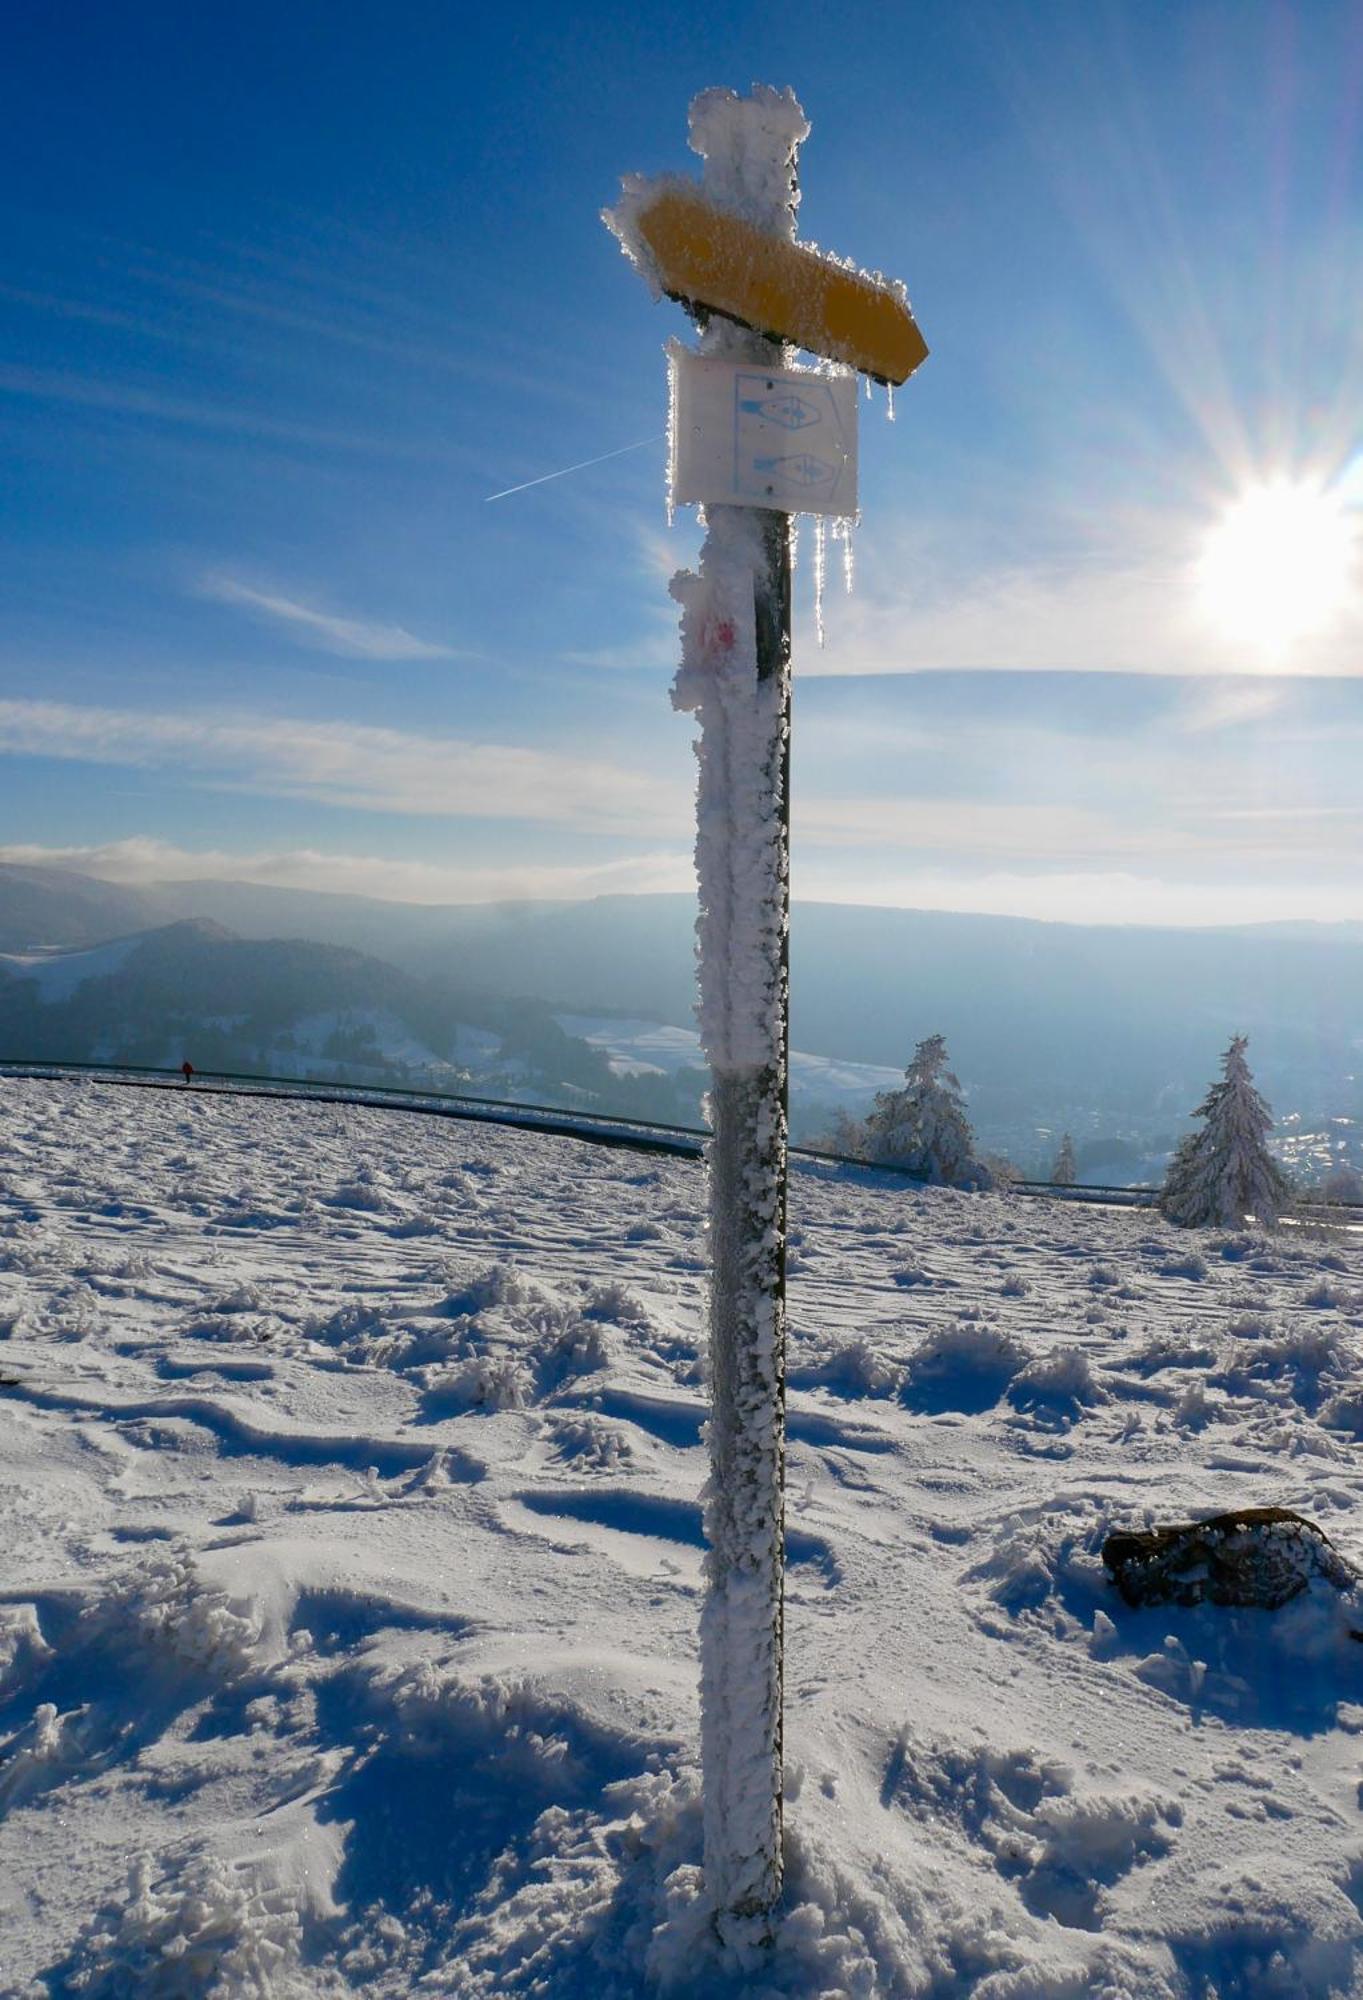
x: 1064, y: 1851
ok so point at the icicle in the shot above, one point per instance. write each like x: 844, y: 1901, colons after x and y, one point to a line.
x: 671, y: 434
x: 794, y: 543
x: 867, y: 382
x: 889, y: 401
x: 842, y: 532
x: 819, y: 547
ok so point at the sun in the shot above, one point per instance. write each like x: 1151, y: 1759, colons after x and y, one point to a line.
x: 1278, y: 565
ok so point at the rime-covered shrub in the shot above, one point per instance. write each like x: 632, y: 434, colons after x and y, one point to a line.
x: 483, y: 1382
x: 1189, y: 1266
x: 498, y: 1285
x: 1304, y: 1361
x: 855, y: 1369
x: 162, y: 1615
x: 590, y: 1445
x: 1059, y: 1380
x: 1327, y: 1295
x: 616, y: 1303
x: 1251, y: 1326
x: 973, y: 1359
x: 202, y: 1928
x: 576, y: 1349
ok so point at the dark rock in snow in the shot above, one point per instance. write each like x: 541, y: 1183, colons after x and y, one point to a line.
x: 1252, y: 1556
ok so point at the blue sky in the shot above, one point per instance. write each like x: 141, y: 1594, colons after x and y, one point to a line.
x: 285, y: 294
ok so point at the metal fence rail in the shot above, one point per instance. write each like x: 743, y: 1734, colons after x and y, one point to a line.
x: 642, y: 1135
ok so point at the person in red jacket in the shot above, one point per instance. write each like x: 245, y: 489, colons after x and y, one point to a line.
x: 187, y: 1070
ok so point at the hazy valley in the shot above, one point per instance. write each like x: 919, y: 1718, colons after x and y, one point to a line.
x: 1109, y: 1033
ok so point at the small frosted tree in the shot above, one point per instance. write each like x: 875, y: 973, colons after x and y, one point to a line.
x: 1343, y: 1183
x: 923, y: 1127
x: 1063, y: 1173
x: 846, y: 1137
x: 1224, y: 1172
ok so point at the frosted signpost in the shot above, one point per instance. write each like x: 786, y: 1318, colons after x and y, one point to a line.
x: 753, y: 440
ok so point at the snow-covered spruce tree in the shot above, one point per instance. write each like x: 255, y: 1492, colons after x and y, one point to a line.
x: 923, y: 1126
x: 1063, y: 1172
x: 1224, y: 1172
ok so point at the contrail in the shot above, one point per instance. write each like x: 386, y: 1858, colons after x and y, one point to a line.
x: 581, y: 466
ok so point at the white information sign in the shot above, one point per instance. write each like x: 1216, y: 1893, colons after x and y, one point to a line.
x: 784, y: 438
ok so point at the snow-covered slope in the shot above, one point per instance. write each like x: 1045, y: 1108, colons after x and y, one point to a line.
x: 638, y: 1048
x: 58, y: 974
x: 349, y: 1476
x: 393, y: 1041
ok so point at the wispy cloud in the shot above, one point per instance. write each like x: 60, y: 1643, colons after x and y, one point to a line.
x: 348, y: 764
x: 1228, y: 705
x: 655, y: 652
x: 1164, y: 808
x: 1185, y: 831
x: 125, y: 399
x: 359, y: 638
x: 141, y: 861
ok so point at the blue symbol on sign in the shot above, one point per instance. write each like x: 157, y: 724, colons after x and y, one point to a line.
x: 801, y: 468
x: 771, y: 410
x: 791, y: 412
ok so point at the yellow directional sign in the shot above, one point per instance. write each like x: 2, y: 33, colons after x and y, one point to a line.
x: 706, y: 256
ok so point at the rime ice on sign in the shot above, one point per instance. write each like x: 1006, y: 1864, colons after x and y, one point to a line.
x: 722, y: 250
x: 782, y: 438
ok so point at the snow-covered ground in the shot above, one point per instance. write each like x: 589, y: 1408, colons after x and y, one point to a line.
x: 349, y: 1475
x: 644, y: 1048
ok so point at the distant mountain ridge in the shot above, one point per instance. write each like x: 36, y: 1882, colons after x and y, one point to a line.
x: 1132, y: 1020
x: 192, y: 990
x: 55, y: 906
x: 1106, y: 1031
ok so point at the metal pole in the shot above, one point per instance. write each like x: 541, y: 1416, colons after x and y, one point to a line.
x: 743, y: 1619
x: 731, y: 256
x: 735, y: 677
